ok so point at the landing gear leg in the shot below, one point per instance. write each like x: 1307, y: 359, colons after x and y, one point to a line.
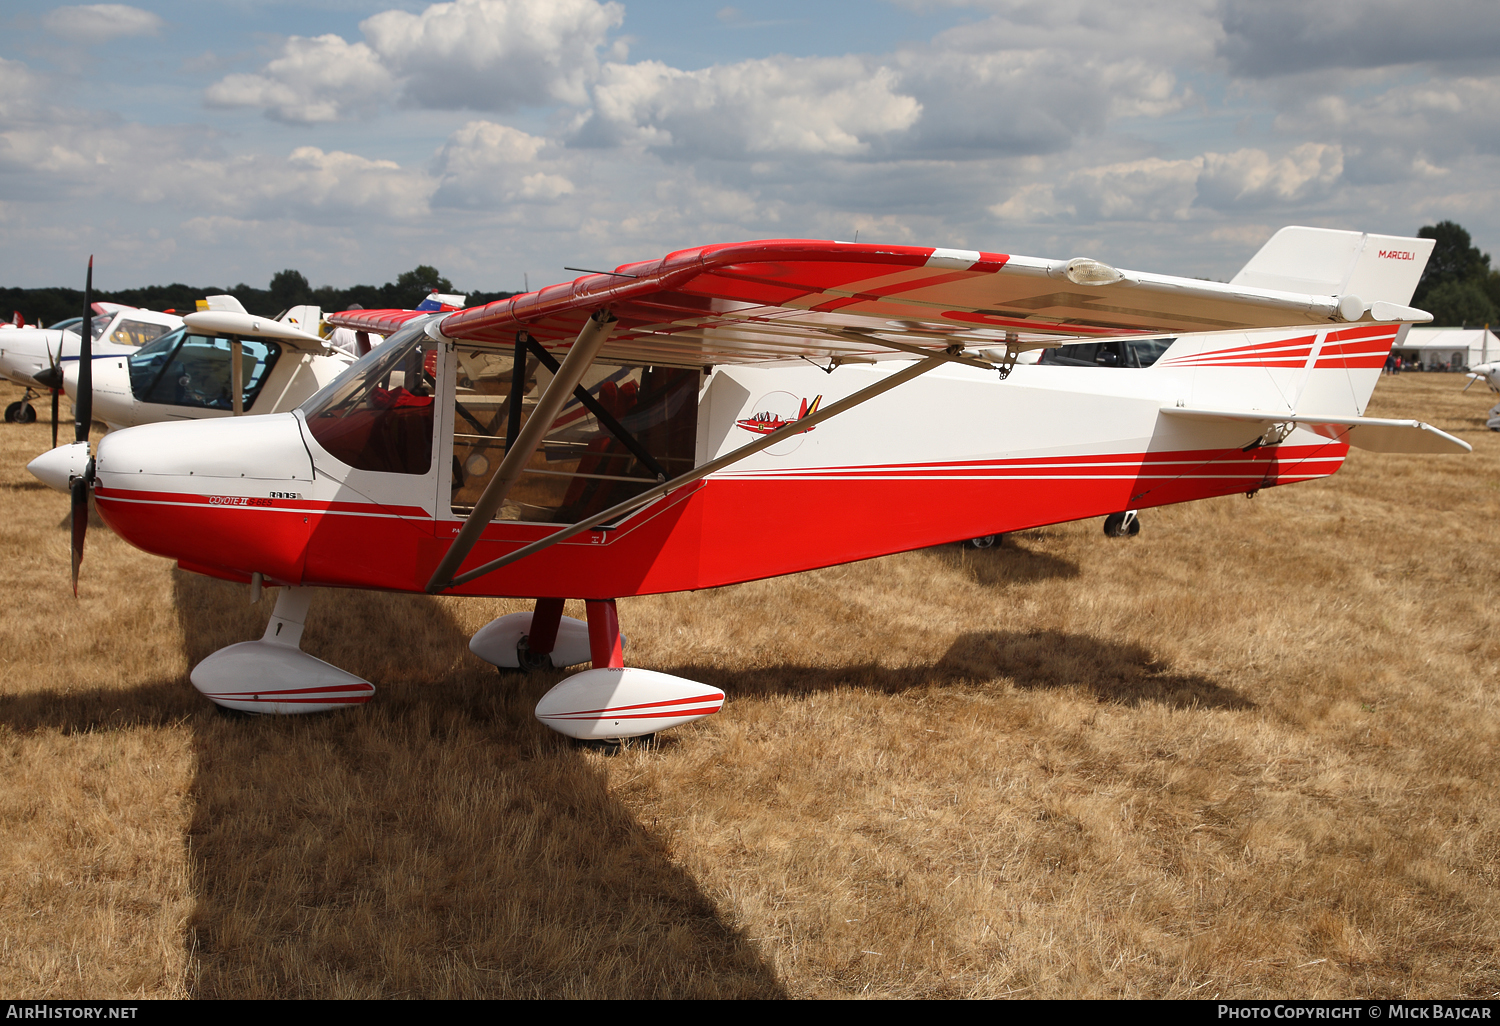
x: 604, y: 634
x: 534, y: 650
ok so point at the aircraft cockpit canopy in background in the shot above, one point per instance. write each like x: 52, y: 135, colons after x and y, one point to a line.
x: 131, y: 331
x: 185, y: 369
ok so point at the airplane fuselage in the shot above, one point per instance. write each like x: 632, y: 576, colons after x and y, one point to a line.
x: 953, y: 455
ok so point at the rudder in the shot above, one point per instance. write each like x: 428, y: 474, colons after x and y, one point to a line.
x: 1329, y: 262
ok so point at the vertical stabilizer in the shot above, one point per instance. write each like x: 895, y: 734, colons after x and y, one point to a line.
x: 1328, y: 262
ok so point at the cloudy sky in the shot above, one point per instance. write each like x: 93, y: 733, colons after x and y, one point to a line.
x: 219, y: 141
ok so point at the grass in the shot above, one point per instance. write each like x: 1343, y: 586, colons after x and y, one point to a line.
x: 1250, y: 752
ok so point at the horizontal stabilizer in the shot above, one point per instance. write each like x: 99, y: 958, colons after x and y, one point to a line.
x: 1370, y: 433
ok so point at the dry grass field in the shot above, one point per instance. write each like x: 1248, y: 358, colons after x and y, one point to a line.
x: 1251, y: 752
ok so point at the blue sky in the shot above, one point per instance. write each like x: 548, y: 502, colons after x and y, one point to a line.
x: 219, y: 142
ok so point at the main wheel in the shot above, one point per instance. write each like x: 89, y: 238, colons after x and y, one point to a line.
x: 531, y: 662
x: 1122, y: 525
x: 26, y: 414
x: 11, y: 411
x: 984, y: 541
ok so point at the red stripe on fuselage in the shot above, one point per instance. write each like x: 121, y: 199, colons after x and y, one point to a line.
x: 731, y: 528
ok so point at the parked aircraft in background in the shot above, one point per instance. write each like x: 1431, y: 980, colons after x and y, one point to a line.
x: 582, y: 441
x: 191, y: 373
x: 26, y: 353
x: 1489, y: 373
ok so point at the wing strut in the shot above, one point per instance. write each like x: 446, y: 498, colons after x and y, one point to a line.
x: 580, y: 357
x: 885, y: 384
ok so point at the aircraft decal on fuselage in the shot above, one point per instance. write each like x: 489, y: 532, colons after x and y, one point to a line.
x: 769, y: 419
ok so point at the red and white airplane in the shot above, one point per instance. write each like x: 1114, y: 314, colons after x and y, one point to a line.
x: 586, y: 440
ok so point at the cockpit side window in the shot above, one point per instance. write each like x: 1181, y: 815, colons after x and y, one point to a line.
x: 378, y: 415
x: 136, y: 333
x: 1114, y: 352
x: 180, y: 369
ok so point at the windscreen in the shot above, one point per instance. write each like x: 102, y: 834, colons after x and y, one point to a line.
x: 378, y: 415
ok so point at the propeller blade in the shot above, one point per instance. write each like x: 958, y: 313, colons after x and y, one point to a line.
x: 85, y: 400
x: 85, y: 404
x: 52, y: 378
x: 80, y: 518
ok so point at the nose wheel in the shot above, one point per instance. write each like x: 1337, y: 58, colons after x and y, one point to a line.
x: 20, y: 412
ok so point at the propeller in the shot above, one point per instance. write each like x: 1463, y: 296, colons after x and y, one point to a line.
x: 85, y: 409
x: 52, y: 380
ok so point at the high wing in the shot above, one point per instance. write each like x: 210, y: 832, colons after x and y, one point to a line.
x: 761, y: 301
x: 251, y: 326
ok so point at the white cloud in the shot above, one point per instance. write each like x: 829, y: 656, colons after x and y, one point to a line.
x: 19, y: 88
x: 1434, y: 119
x: 314, y: 80
x: 829, y: 106
x: 1252, y: 179
x: 495, y: 54
x: 99, y: 23
x: 483, y: 165
x: 1179, y: 190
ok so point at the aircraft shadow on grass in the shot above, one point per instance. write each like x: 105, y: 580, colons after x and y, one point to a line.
x: 437, y: 842
x: 1008, y: 564
x: 1120, y: 673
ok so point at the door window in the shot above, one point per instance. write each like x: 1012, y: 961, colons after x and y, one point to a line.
x: 582, y: 466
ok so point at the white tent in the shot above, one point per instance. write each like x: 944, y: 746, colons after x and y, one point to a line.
x: 1449, y: 348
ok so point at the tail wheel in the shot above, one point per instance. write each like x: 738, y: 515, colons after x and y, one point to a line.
x: 1122, y: 525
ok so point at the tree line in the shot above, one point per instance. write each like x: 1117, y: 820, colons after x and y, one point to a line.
x: 287, y: 289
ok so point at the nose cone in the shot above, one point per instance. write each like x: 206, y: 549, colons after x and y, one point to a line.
x: 58, y: 467
x: 50, y: 377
